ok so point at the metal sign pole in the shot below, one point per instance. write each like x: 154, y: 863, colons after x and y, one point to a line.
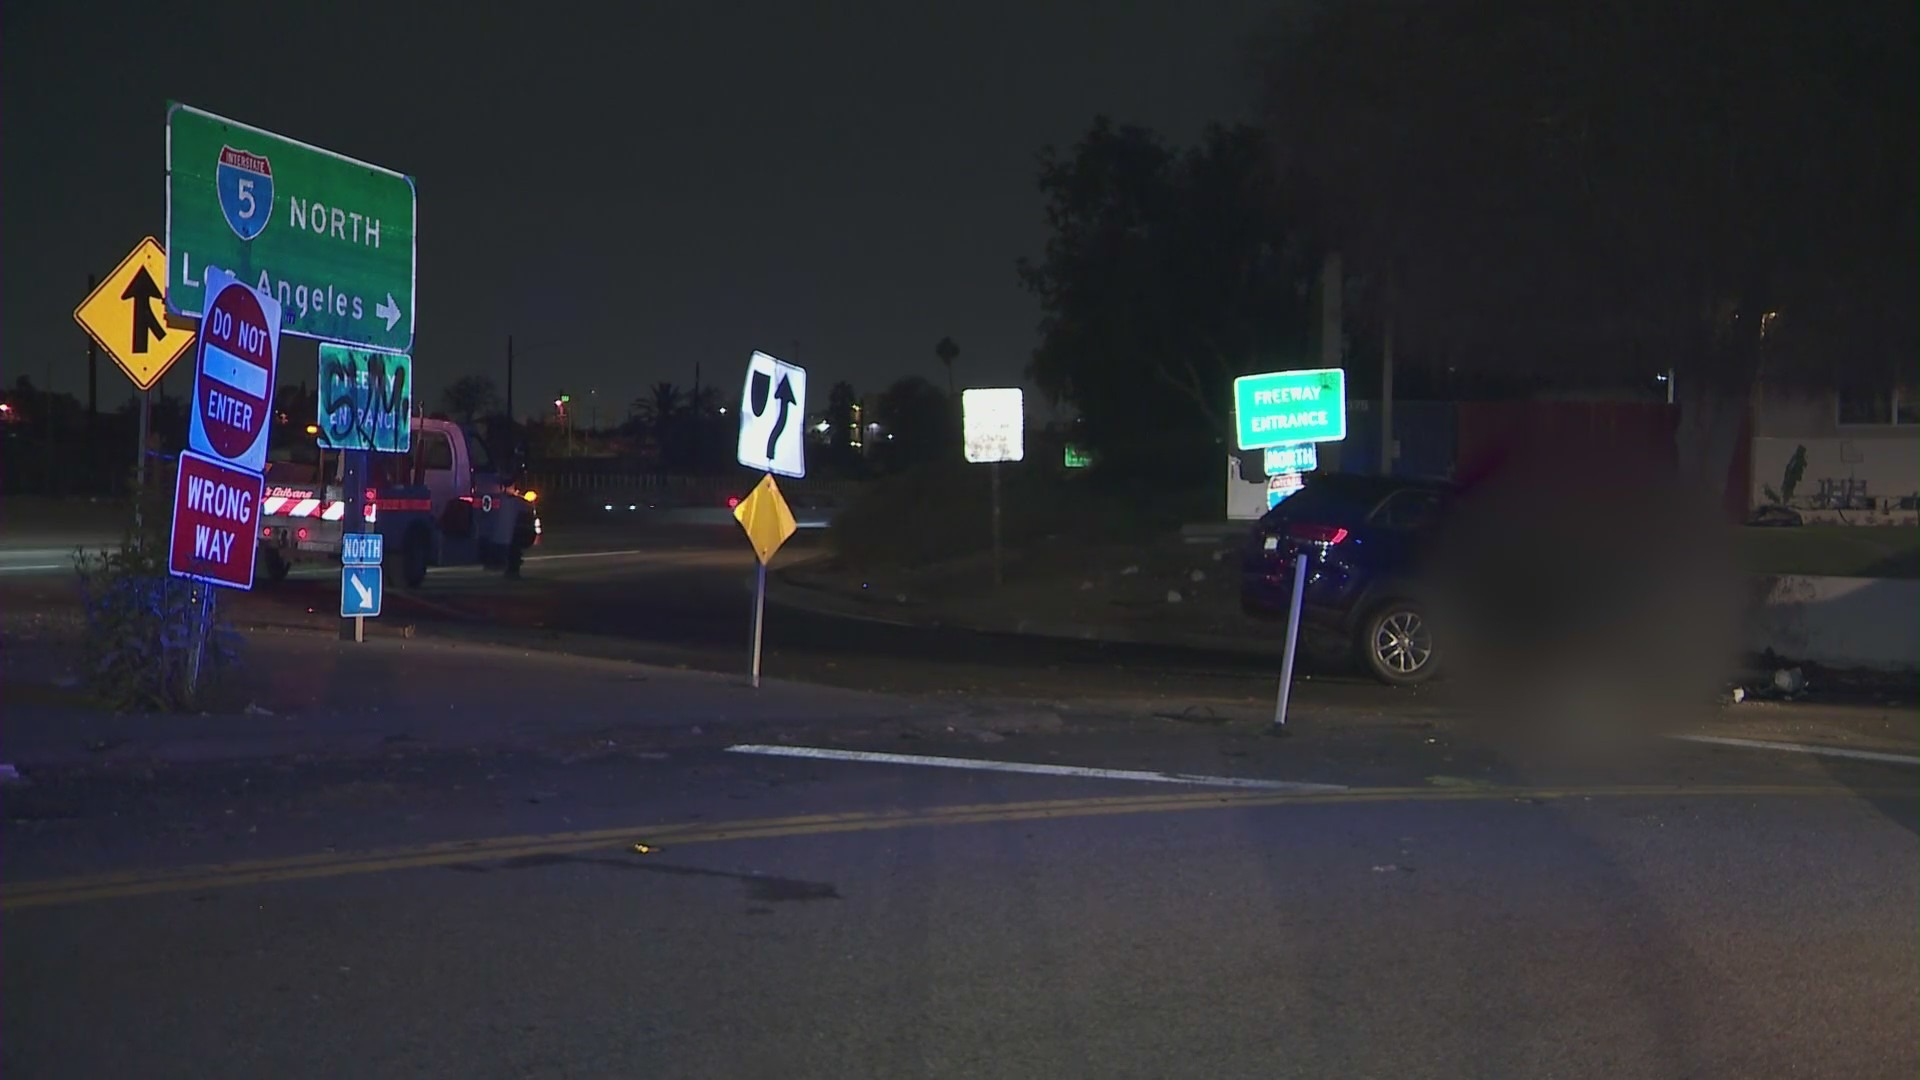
x: 996, y: 524
x: 140, y: 450
x: 1293, y: 641
x: 759, y: 617
x: 353, y: 476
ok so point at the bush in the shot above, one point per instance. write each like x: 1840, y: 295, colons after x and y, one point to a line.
x: 152, y: 641
x: 944, y: 511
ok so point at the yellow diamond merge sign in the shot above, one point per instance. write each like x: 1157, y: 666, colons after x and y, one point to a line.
x: 127, y: 315
x: 765, y: 517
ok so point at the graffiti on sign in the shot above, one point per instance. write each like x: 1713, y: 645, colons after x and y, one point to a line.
x: 366, y: 399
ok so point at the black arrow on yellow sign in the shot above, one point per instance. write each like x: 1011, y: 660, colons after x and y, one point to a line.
x: 125, y: 314
x: 143, y: 291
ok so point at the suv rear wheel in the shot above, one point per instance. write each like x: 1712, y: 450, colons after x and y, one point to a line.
x: 1397, y: 645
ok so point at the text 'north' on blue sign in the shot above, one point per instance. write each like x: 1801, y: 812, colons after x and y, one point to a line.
x: 360, y: 591
x: 1300, y: 457
x: 361, y: 549
x: 1282, y: 407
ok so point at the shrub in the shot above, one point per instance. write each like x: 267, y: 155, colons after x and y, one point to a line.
x: 152, y: 641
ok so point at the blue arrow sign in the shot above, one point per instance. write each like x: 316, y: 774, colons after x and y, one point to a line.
x: 360, y: 591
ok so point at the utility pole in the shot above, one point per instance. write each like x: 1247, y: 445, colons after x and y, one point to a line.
x: 1332, y: 324
x: 1386, y: 392
x: 509, y: 376
x: 93, y: 403
x: 1331, y: 319
x: 93, y: 371
x: 53, y: 428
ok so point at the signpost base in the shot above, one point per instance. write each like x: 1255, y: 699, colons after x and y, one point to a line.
x: 1293, y: 642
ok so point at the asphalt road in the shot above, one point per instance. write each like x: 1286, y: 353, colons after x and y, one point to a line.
x: 1447, y: 907
x: 489, y: 916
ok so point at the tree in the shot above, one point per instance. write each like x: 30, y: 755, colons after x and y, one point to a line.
x: 948, y: 351
x: 298, y: 403
x: 470, y: 396
x: 1167, y: 274
x: 841, y: 402
x: 1603, y: 190
x: 916, y: 425
x: 705, y: 438
x: 659, y: 411
x: 659, y: 406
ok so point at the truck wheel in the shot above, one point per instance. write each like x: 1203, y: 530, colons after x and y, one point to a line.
x: 413, y: 560
x: 273, y: 566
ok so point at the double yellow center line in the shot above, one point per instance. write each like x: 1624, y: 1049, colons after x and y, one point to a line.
x: 156, y: 881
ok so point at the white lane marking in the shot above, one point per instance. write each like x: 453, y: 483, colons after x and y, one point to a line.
x: 597, y: 554
x: 825, y: 754
x: 33, y: 567
x: 1801, y: 748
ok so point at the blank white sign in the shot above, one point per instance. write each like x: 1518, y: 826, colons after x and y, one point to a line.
x: 994, y: 424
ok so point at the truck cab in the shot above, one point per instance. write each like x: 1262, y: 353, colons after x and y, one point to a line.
x: 453, y: 499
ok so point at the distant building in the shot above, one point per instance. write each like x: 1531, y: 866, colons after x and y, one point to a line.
x: 1862, y: 453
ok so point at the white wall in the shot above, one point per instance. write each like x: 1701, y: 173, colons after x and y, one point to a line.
x: 1858, y: 623
x: 1860, y: 481
x: 1847, y: 464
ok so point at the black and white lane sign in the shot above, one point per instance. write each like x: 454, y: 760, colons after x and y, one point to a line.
x: 773, y: 413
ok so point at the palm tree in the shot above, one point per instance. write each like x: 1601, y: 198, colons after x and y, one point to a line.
x: 659, y: 407
x: 948, y: 352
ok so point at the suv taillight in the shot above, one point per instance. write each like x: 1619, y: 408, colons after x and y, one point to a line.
x: 1317, y: 534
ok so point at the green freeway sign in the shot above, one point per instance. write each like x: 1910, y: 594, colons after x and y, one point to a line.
x: 1283, y: 407
x: 330, y: 237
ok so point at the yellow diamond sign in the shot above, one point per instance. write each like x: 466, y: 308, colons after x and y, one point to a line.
x: 765, y: 517
x: 127, y: 315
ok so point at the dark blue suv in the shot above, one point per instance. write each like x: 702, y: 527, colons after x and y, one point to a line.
x: 1370, y: 544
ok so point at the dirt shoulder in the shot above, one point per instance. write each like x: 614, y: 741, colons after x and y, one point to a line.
x: 1171, y: 590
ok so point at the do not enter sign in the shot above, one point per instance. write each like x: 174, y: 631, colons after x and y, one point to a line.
x: 233, y: 379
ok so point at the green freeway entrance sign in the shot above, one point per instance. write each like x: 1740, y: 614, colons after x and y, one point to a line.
x: 329, y: 237
x: 1290, y: 407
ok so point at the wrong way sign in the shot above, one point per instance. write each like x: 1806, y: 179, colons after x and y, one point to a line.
x: 216, y: 515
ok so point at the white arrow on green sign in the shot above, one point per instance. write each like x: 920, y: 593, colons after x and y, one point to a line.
x: 1283, y: 407
x: 328, y: 236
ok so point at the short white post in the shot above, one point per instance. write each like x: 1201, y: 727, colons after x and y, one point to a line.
x: 1293, y: 642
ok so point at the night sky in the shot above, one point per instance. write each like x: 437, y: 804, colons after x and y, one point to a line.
x: 626, y: 188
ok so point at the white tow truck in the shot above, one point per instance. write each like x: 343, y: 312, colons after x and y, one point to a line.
x: 447, y: 502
